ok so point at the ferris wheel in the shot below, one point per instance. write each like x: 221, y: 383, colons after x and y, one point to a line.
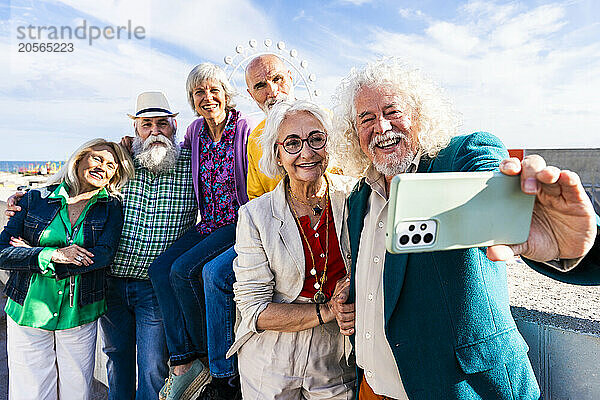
x: 303, y: 79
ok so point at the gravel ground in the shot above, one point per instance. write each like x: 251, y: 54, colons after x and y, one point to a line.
x: 537, y: 298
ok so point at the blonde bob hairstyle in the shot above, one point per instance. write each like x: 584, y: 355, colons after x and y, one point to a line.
x: 206, y: 71
x: 278, y: 113
x: 68, y: 173
x: 436, y: 119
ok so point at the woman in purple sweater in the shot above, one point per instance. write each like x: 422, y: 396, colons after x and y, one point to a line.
x: 193, y: 279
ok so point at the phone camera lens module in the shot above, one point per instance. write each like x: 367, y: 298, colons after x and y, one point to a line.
x: 428, y: 238
x: 423, y: 227
x: 404, y: 239
x: 411, y: 228
x: 416, y: 238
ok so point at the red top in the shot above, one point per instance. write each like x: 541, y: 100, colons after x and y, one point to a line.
x: 336, y: 268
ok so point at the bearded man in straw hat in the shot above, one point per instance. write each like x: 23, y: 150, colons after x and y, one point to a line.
x: 159, y: 207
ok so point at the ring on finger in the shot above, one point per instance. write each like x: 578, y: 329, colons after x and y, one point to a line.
x: 79, y: 257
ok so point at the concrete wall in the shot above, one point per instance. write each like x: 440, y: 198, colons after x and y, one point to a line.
x: 586, y: 162
x: 565, y: 362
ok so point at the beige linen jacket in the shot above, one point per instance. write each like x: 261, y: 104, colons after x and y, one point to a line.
x: 270, y: 264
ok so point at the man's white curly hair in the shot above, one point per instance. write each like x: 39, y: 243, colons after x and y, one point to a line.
x: 436, y: 119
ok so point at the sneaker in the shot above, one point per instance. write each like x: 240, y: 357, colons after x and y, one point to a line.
x: 222, y: 389
x: 183, y: 387
x: 162, y: 395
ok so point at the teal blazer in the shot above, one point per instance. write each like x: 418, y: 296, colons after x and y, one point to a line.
x: 447, y: 315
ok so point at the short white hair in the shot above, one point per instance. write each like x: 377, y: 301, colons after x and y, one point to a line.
x: 436, y: 119
x: 278, y: 113
x: 203, y: 72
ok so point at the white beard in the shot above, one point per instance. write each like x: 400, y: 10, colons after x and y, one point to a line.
x: 393, y: 164
x: 271, y: 102
x: 157, y: 159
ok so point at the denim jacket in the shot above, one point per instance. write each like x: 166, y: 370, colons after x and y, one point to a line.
x: 101, y: 231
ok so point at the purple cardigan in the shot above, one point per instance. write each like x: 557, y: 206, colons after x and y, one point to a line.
x: 240, y: 155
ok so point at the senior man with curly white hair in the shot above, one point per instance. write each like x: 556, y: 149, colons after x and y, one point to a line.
x: 438, y: 324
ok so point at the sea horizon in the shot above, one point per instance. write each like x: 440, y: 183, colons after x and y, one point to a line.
x: 16, y: 166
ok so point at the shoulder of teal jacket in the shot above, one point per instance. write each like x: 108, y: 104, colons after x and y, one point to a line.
x: 479, y: 151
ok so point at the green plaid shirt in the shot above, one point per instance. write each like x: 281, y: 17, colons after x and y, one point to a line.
x: 158, y: 210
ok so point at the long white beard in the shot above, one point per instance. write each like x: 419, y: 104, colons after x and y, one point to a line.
x: 157, y: 159
x: 395, y: 163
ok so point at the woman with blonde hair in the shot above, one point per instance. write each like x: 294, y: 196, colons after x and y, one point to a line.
x: 56, y: 249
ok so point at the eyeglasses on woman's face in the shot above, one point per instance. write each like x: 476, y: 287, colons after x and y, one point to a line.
x: 293, y: 144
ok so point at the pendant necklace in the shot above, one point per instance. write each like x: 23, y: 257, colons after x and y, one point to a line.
x: 319, y: 296
x: 317, y: 209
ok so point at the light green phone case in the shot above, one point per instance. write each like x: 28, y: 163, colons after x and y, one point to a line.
x: 454, y: 210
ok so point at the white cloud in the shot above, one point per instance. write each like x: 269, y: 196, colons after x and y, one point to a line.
x: 201, y: 27
x: 513, y: 71
x: 300, y: 15
x: 88, y: 92
x: 533, y: 25
x: 410, y: 13
x: 488, y: 12
x: 453, y: 37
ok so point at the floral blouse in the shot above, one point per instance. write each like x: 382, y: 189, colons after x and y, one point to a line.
x: 219, y: 201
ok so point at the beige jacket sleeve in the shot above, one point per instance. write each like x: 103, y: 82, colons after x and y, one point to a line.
x: 253, y: 289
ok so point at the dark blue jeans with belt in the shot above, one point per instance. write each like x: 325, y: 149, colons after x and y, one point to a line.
x: 193, y: 280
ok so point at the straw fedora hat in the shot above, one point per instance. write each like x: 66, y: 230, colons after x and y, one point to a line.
x: 152, y: 104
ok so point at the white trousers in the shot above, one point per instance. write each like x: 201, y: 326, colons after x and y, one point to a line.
x: 50, y: 365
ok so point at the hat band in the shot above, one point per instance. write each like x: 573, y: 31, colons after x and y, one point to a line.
x: 153, y: 109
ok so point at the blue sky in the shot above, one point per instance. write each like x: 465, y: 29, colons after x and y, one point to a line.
x: 527, y: 71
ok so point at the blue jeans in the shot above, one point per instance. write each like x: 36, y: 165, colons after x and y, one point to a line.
x: 133, y: 318
x: 218, y: 277
x: 178, y: 276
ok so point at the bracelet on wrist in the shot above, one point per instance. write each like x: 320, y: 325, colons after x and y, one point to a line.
x: 318, y: 308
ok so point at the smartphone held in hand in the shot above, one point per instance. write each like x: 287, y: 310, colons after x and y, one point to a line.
x: 454, y: 210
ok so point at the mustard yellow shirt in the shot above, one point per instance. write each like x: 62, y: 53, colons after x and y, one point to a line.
x: 257, y: 182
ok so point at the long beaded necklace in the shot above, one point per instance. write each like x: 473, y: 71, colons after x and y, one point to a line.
x: 317, y: 209
x: 319, y: 297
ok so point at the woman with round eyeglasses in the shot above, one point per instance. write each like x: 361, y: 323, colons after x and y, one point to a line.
x: 290, y: 257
